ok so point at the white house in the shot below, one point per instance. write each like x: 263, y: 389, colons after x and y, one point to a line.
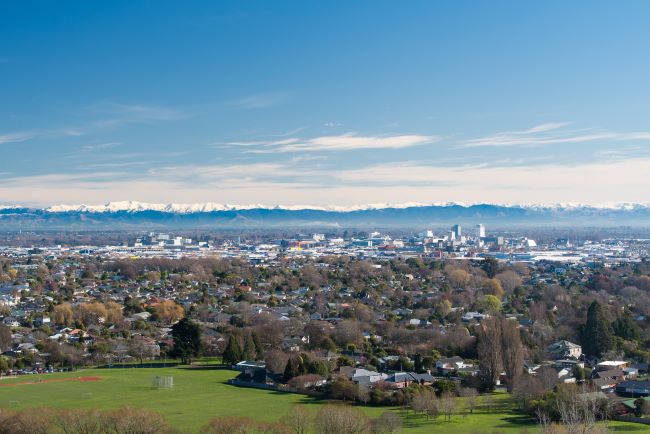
x: 565, y: 350
x: 451, y: 364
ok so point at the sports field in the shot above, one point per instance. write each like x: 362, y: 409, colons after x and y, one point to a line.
x: 199, y: 395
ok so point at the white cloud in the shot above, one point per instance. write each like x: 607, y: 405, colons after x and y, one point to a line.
x: 595, y: 183
x: 547, y: 127
x: 618, y: 181
x: 98, y: 146
x: 120, y: 114
x: 548, y: 134
x: 15, y: 137
x: 344, y: 142
x: 352, y: 141
x: 261, y: 100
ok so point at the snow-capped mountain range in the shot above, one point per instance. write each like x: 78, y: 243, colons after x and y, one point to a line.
x: 184, y: 208
x: 139, y: 215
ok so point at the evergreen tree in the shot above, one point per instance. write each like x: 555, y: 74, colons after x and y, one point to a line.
x: 490, y: 265
x: 328, y: 344
x: 318, y: 367
x: 249, y: 348
x: 187, y: 340
x: 233, y: 352
x: 258, y: 346
x: 596, y: 335
x: 418, y: 364
x: 292, y: 369
x: 303, y: 363
x: 625, y: 327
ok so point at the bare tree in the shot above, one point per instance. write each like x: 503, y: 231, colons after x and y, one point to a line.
x: 5, y: 338
x: 340, y: 419
x: 471, y: 398
x: 432, y: 408
x: 347, y: 332
x: 77, y: 421
x: 579, y: 411
x: 548, y: 377
x: 489, y: 352
x: 276, y: 361
x: 298, y: 419
x: 509, y: 280
x: 425, y: 401
x: 525, y: 388
x: 28, y: 421
x: 134, y: 421
x: 388, y: 423
x: 448, y: 405
x: 512, y: 351
x: 488, y: 402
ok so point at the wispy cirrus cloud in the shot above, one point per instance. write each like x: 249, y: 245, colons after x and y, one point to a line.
x: 261, y: 100
x: 118, y: 165
x: 352, y: 141
x: 16, y: 137
x: 549, y: 134
x: 344, y: 142
x: 98, y: 146
x: 119, y: 114
x: 47, y: 134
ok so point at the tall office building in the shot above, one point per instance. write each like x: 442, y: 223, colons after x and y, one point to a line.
x: 480, y: 231
x: 457, y: 231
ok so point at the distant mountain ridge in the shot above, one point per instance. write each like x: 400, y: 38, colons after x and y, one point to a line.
x: 134, y: 206
x: 137, y: 215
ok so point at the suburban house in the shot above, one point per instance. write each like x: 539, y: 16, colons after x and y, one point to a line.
x: 607, y: 380
x: 362, y: 376
x: 11, y: 322
x: 451, y: 364
x: 400, y: 380
x: 476, y: 316
x: 531, y: 367
x: 569, y: 363
x: 565, y: 350
x: 608, y: 365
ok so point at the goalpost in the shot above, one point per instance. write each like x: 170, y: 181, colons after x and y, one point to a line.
x: 163, y: 382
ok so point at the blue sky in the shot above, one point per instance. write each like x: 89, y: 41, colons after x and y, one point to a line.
x: 324, y: 103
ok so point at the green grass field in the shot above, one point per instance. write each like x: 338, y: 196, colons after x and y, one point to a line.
x: 201, y: 394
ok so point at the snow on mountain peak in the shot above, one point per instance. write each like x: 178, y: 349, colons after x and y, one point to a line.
x: 184, y: 208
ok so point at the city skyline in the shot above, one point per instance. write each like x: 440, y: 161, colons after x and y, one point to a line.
x: 305, y: 104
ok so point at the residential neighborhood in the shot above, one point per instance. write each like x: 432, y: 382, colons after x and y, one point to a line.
x: 371, y: 329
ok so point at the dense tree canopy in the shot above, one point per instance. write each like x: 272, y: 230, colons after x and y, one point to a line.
x: 187, y: 340
x: 596, y: 335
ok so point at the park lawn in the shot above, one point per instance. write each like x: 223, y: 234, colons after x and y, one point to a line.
x: 199, y: 395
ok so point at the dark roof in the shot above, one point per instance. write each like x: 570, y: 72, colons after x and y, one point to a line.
x: 399, y: 377
x: 612, y: 373
x: 600, y: 382
x: 451, y: 359
x: 634, y: 384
